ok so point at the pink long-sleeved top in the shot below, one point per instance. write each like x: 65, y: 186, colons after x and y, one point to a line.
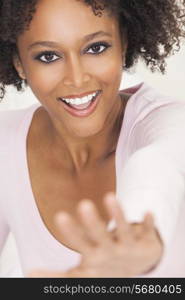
x: 150, y: 176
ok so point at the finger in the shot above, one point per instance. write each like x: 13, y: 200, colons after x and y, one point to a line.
x: 93, y: 223
x: 149, y: 226
x: 71, y: 233
x: 137, y: 230
x: 122, y: 227
x: 148, y: 222
x: 140, y: 230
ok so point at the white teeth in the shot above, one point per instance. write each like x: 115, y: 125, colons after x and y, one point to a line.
x: 82, y: 100
x: 73, y: 101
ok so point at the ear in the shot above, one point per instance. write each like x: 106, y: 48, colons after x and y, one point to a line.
x: 18, y: 66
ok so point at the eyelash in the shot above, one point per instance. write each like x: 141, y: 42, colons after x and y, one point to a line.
x: 52, y: 53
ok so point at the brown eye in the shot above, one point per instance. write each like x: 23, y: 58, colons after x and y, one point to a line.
x: 47, y: 57
x: 98, y: 48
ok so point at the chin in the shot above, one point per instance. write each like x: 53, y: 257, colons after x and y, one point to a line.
x: 87, y: 131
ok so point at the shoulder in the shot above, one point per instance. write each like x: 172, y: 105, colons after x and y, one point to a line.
x: 9, y: 118
x: 13, y: 125
x: 148, y: 101
x: 11, y: 121
x: 154, y: 118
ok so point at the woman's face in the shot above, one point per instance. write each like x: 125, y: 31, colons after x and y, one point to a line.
x: 60, y: 58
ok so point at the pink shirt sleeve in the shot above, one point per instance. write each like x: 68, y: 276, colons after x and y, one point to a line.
x: 6, y: 184
x: 4, y: 231
x: 153, y: 177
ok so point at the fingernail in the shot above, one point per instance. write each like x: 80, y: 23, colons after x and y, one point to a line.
x: 110, y: 198
x: 111, y: 225
x: 110, y: 195
x: 86, y: 205
x: 61, y: 217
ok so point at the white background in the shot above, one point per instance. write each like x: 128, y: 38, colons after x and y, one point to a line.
x: 172, y: 84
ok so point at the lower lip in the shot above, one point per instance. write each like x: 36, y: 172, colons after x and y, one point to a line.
x: 83, y: 112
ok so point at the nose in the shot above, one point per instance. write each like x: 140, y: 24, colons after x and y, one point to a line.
x: 75, y: 73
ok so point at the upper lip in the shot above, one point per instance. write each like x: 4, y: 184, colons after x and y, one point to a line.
x: 81, y: 95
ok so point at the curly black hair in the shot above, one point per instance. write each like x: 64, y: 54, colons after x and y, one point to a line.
x: 154, y: 28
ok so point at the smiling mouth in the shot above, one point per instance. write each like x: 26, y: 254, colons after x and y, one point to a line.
x: 80, y: 106
x: 82, y: 110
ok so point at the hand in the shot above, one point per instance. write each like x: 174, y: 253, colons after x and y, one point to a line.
x: 128, y: 250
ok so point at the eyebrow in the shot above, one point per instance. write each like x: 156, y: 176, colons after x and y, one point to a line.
x: 85, y: 39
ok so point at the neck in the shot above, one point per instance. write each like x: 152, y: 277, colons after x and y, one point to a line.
x: 79, y: 154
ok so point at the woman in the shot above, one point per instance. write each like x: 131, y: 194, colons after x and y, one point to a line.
x: 85, y: 138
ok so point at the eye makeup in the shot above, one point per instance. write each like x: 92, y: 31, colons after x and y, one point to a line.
x: 49, y: 54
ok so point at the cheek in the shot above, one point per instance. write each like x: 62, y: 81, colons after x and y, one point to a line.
x: 42, y: 80
x: 109, y: 72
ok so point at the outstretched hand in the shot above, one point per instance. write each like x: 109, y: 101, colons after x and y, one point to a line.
x: 127, y: 250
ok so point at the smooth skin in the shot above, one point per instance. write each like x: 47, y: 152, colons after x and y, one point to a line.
x: 76, y: 65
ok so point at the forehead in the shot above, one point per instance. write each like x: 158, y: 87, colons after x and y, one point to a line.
x: 66, y: 19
